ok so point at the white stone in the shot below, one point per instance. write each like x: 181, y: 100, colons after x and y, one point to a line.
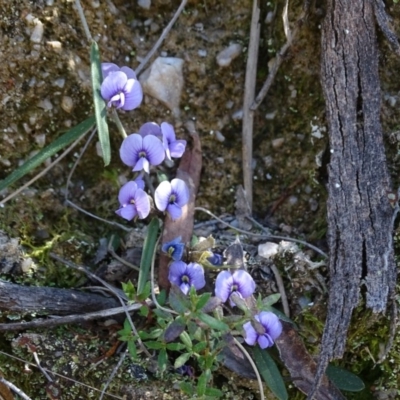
x: 37, y: 33
x: 268, y: 249
x: 67, y: 104
x: 164, y: 81
x: 146, y: 4
x: 227, y: 55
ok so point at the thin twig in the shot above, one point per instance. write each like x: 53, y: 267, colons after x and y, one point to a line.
x: 161, y: 38
x: 249, y: 94
x: 111, y: 250
x: 117, y: 292
x: 59, y: 375
x: 83, y: 21
x: 40, y: 174
x: 42, y: 370
x: 69, y: 319
x: 256, y: 235
x: 14, y: 388
x: 112, y: 223
x: 114, y: 371
x: 281, y: 288
x: 84, y: 148
x: 247, y: 355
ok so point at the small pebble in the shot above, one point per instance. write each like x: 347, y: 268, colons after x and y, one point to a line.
x: 146, y: 4
x: 268, y: 249
x: 45, y: 104
x: 67, y: 104
x: 40, y: 139
x: 226, y: 56
x: 278, y: 142
x: 270, y: 116
x: 202, y: 53
x: 219, y: 136
x: 37, y: 33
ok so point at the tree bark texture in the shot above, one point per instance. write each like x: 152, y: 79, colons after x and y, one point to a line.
x: 46, y: 300
x: 360, y: 216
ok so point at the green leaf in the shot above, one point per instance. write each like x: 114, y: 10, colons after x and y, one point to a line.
x: 212, y: 322
x: 177, y: 300
x: 181, y: 360
x: 271, y: 299
x: 270, y: 372
x: 146, y: 292
x: 144, y: 311
x: 199, y: 347
x: 147, y: 254
x: 129, y: 290
x: 100, y: 109
x: 162, y: 297
x: 202, y: 382
x: 162, y: 360
x: 132, y: 349
x: 61, y: 142
x: 213, y: 392
x: 175, y: 346
x: 203, y: 299
x: 187, y: 388
x: 344, y: 380
x: 155, y: 345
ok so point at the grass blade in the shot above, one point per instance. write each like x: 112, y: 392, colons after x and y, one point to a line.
x: 100, y: 108
x: 61, y: 142
x: 147, y: 254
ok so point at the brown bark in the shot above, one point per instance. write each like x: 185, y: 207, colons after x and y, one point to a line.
x: 360, y: 216
x: 46, y: 300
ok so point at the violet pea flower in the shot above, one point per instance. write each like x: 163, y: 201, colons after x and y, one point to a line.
x: 171, y: 197
x: 186, y: 275
x: 269, y: 330
x: 120, y: 87
x: 134, y: 202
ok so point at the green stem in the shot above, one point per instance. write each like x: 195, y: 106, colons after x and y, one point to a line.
x: 118, y: 123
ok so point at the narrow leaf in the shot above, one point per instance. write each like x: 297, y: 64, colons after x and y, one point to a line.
x: 61, y: 142
x: 181, y: 360
x: 162, y: 360
x: 187, y: 388
x: 202, y: 382
x: 212, y: 322
x: 344, y: 380
x: 132, y: 349
x: 213, y: 392
x: 100, y: 108
x: 202, y: 300
x: 177, y: 300
x: 147, y: 254
x: 270, y: 373
x: 174, y: 330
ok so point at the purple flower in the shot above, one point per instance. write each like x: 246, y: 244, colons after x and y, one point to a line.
x: 174, y: 248
x: 173, y: 148
x: 240, y: 282
x: 150, y: 128
x: 120, y: 87
x: 134, y: 202
x: 268, y: 329
x: 215, y: 259
x: 140, y: 182
x: 172, y: 196
x: 141, y: 152
x: 186, y: 275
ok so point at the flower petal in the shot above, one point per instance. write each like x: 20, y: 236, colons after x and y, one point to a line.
x: 107, y: 68
x: 113, y: 85
x: 177, y: 148
x: 127, y: 193
x: 174, y: 211
x: 265, y: 341
x: 150, y: 128
x: 130, y: 73
x: 176, y: 270
x: 251, y: 334
x: 133, y: 94
x: 142, y: 163
x: 142, y: 203
x: 127, y: 212
x: 271, y: 323
x: 140, y: 182
x: 168, y: 132
x: 245, y: 283
x: 130, y: 148
x: 154, y: 149
x: 162, y: 194
x: 223, y: 285
x: 196, y: 273
x: 181, y: 191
